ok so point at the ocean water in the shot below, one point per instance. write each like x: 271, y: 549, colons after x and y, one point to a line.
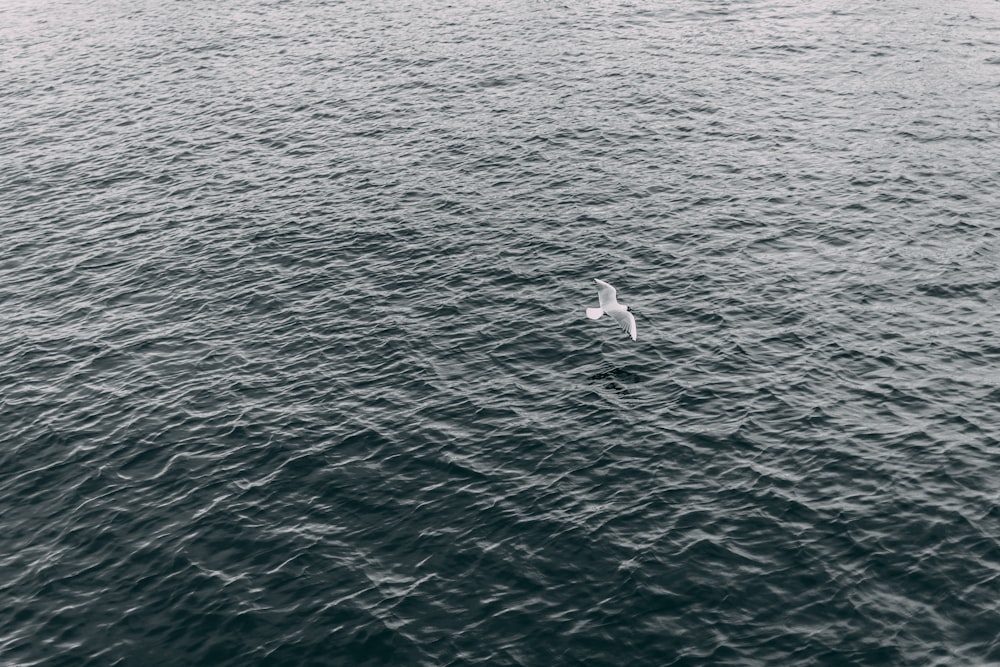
x: 296, y: 371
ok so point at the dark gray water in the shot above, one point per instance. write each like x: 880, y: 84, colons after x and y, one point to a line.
x: 295, y: 367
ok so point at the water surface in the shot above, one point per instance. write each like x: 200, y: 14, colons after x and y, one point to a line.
x: 296, y: 367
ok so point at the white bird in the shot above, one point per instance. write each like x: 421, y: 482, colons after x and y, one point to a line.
x: 609, y: 304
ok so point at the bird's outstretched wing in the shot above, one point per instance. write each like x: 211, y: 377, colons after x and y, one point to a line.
x: 626, y: 321
x: 606, y: 294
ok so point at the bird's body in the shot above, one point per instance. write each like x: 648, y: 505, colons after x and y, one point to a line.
x: 609, y: 304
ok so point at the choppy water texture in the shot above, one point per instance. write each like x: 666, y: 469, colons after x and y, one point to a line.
x: 296, y: 369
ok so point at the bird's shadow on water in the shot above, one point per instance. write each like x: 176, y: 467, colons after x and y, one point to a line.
x: 618, y: 379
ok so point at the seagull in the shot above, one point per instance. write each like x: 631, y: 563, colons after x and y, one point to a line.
x: 609, y: 304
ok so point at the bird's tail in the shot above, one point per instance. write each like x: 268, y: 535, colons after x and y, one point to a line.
x: 595, y: 313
